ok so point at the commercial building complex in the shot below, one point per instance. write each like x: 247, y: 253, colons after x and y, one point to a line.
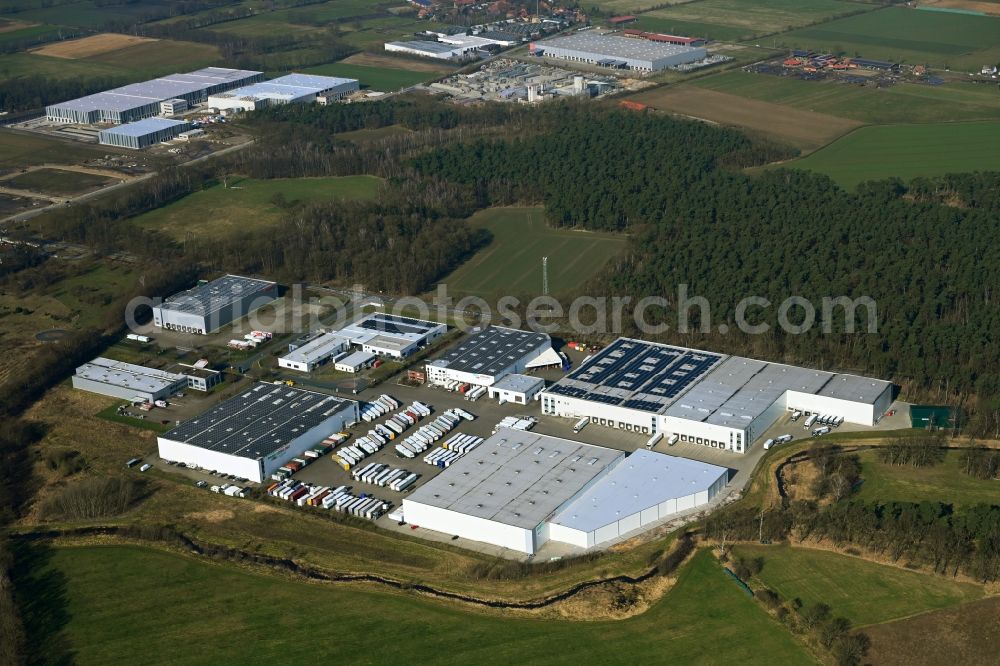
x: 142, y: 100
x: 491, y: 354
x: 391, y: 335
x: 712, y: 399
x: 618, y: 52
x: 127, y: 381
x: 212, y: 305
x: 252, y: 434
x: 314, y: 353
x: 449, y: 47
x: 142, y: 133
x: 290, y: 89
x: 519, y: 490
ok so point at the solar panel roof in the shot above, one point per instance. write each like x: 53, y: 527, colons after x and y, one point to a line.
x: 492, y: 350
x: 636, y: 374
x: 214, y: 295
x: 516, y: 478
x: 258, y: 421
x: 386, y: 327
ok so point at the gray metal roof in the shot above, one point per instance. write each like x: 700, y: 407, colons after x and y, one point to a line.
x: 519, y: 383
x: 215, y: 295
x: 616, y: 47
x: 639, y: 482
x: 381, y: 325
x: 289, y: 87
x: 318, y: 348
x: 491, y: 350
x: 516, y: 478
x: 145, y: 126
x: 853, y: 387
x: 128, y: 376
x: 356, y: 358
x: 258, y: 421
x: 428, y: 46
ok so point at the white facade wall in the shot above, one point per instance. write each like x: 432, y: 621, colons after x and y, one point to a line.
x: 469, y: 527
x: 611, y: 415
x: 853, y: 412
x: 224, y: 462
x: 516, y: 397
x: 698, y: 432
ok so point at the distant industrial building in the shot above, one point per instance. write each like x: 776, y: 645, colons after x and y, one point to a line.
x: 667, y: 39
x: 142, y: 133
x: 618, y: 52
x: 449, y: 47
x: 127, y: 381
x: 491, y: 354
x: 142, y: 100
x: 519, y: 490
x: 290, y: 89
x: 314, y: 353
x: 254, y: 433
x: 392, y: 335
x: 212, y: 305
x: 517, y: 389
x: 721, y: 401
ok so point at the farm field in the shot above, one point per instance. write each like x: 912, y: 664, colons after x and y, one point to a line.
x: 938, y: 39
x: 374, y: 31
x: 512, y: 262
x: 57, y: 181
x: 19, y: 32
x: 863, y: 592
x: 375, y: 78
x: 634, y: 6
x: 968, y: 634
x: 19, y: 150
x: 944, y: 482
x: 97, y: 597
x: 88, y: 13
x: 902, y: 103
x: 806, y: 130
x: 247, y: 203
x: 86, y: 47
x: 733, y: 20
x: 907, y: 151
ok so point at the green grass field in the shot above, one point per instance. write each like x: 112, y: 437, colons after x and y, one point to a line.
x: 246, y: 204
x: 57, y: 181
x: 113, y: 603
x: 902, y: 103
x: 863, y: 592
x: 31, y: 32
x: 20, y: 150
x: 512, y: 263
x: 735, y: 20
x: 376, y: 78
x: 907, y: 151
x: 939, y: 39
x: 944, y: 482
x: 87, y: 13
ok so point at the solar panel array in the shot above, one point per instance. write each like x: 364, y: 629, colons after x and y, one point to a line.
x: 213, y: 296
x: 491, y: 350
x: 637, y: 375
x: 396, y: 325
x: 258, y: 421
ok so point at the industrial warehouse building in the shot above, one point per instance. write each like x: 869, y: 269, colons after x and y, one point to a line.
x: 391, y: 335
x: 487, y: 356
x: 721, y: 401
x: 212, y: 305
x: 142, y: 133
x: 254, y: 433
x: 127, y: 381
x: 517, y: 389
x: 142, y: 100
x: 641, y: 490
x: 290, y: 89
x: 618, y: 52
x: 519, y: 490
x: 314, y: 353
x: 504, y: 491
x: 355, y: 362
x: 448, y: 47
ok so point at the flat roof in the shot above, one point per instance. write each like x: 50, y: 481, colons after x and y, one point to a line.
x: 145, y: 126
x: 516, y: 477
x: 427, y: 46
x: 617, y: 47
x: 259, y: 421
x: 643, y: 480
x: 317, y: 348
x: 128, y: 375
x: 356, y: 358
x: 519, y: 383
x: 853, y: 387
x: 381, y: 325
x: 291, y: 86
x: 636, y: 374
x: 157, y: 90
x: 215, y: 295
x: 491, y: 350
